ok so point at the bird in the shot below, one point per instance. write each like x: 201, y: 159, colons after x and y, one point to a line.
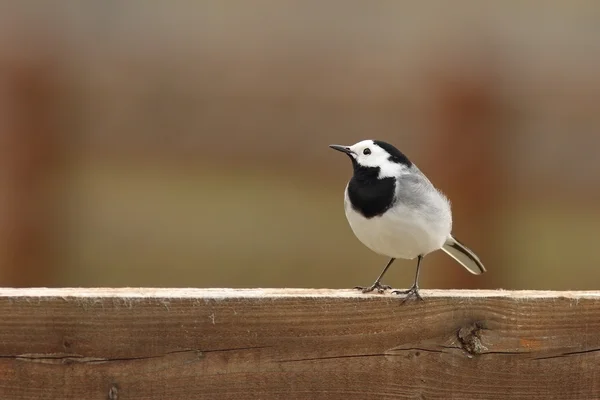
x: 395, y: 211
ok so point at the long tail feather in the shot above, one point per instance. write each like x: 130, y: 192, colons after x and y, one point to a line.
x: 464, y: 256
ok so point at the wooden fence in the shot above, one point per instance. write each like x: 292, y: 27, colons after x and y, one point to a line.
x: 121, y: 344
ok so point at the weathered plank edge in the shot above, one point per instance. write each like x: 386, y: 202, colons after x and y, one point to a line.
x: 270, y: 293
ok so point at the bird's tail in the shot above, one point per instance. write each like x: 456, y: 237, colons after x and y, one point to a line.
x: 463, y: 255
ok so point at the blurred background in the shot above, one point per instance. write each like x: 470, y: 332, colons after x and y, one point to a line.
x: 185, y: 143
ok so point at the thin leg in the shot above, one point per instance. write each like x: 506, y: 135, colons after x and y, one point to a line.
x: 414, y: 290
x: 380, y: 288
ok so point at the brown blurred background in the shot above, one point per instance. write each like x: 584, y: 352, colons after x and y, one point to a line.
x: 185, y: 143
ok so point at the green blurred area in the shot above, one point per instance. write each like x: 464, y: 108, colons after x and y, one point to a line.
x: 151, y: 225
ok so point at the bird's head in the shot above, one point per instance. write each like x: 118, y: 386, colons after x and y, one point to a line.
x: 376, y: 154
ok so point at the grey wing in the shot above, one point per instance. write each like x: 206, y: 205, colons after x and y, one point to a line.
x: 416, y: 192
x: 414, y: 189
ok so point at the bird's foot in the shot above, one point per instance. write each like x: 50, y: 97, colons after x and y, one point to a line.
x: 380, y: 288
x: 413, y: 291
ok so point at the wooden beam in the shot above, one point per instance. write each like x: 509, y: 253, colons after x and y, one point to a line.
x: 182, y: 344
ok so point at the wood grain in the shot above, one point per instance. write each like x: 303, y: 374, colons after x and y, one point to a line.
x: 122, y: 344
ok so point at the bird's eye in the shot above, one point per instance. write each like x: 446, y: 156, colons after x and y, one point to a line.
x: 367, y: 151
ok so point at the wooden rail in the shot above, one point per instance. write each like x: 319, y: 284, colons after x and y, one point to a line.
x: 121, y: 344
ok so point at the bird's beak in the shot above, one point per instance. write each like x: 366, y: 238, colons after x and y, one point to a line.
x: 343, y: 149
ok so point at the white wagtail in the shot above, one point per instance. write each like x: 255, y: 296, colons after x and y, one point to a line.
x: 394, y: 210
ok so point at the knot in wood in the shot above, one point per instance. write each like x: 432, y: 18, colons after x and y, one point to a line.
x: 470, y: 338
x: 113, y: 393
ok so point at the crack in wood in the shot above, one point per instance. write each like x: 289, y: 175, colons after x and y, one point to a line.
x: 386, y: 354
x: 333, y: 357
x: 77, y: 358
x: 505, y: 353
x: 568, y: 354
x: 426, y: 350
x: 435, y: 351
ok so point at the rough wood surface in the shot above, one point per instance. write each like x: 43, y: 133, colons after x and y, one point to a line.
x: 122, y: 344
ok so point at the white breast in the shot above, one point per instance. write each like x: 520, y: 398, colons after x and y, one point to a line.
x: 403, y: 232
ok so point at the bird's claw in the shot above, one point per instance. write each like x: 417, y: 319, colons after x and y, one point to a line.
x: 413, y: 291
x: 380, y: 288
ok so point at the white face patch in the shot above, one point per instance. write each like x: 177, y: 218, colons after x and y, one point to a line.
x: 368, y: 154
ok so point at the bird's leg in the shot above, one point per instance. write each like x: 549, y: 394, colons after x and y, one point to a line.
x: 414, y: 290
x: 377, y: 285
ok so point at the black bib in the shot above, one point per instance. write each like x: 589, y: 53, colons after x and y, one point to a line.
x: 368, y: 195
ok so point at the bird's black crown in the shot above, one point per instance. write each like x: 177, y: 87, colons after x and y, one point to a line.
x: 395, y: 155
